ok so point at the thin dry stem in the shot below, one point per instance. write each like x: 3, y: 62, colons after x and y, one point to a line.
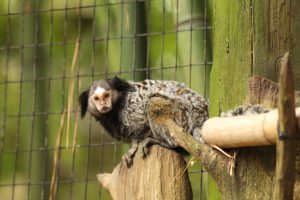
x: 53, y: 186
x: 71, y: 91
x: 75, y: 133
x: 181, y: 172
x: 221, y: 150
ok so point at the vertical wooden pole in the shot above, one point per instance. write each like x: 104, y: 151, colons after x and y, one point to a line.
x: 286, y: 144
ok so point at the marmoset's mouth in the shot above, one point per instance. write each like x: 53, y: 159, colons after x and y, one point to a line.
x: 104, y: 109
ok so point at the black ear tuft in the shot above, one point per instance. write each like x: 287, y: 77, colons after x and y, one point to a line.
x: 83, y: 100
x: 121, y: 85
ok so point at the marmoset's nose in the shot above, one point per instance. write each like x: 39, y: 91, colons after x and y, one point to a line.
x: 99, y: 99
x: 102, y: 97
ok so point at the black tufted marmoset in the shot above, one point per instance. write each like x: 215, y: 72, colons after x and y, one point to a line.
x: 135, y: 112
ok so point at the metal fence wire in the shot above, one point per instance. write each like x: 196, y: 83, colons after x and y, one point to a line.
x: 52, y: 50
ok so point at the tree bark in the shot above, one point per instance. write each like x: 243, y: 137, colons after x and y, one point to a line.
x: 161, y: 175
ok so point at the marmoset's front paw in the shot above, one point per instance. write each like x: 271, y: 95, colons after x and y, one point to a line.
x: 128, y: 157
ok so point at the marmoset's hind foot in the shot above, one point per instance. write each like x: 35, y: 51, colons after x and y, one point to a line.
x: 143, y: 147
x: 145, y: 144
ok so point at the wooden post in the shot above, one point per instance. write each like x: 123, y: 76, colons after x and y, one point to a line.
x: 286, y: 144
x: 161, y: 175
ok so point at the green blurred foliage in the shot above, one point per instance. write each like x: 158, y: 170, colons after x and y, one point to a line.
x: 158, y: 39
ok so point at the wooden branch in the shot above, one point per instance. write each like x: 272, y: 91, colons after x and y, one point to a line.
x: 213, y: 161
x: 286, y: 149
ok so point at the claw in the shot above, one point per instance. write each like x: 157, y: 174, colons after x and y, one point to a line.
x: 128, y: 157
x: 144, y: 146
x: 145, y: 150
x: 128, y: 160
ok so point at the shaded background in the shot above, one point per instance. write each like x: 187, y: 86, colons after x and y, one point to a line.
x: 52, y: 50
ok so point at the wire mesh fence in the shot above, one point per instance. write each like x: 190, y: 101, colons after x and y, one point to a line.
x: 52, y: 50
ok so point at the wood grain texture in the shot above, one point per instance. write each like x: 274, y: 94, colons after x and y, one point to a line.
x: 275, y: 31
x: 232, y: 55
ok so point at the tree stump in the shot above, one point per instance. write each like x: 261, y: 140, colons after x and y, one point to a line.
x: 161, y: 175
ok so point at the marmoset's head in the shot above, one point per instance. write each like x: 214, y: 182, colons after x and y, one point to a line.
x: 102, y: 95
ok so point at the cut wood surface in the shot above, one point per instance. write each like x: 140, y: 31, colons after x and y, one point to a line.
x: 243, y: 131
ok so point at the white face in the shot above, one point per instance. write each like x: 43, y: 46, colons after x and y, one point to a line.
x: 100, y: 100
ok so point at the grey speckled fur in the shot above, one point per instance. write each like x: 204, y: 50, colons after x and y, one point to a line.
x: 245, y: 110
